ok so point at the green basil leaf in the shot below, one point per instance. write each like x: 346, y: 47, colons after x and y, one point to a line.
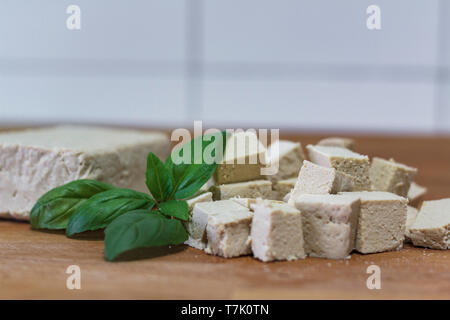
x: 188, y: 178
x: 53, y: 209
x: 101, y: 209
x: 158, y: 178
x: 175, y: 208
x: 140, y: 229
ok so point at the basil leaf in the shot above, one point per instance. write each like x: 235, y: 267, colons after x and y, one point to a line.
x: 101, y: 209
x: 175, y: 208
x: 188, y: 178
x: 53, y: 209
x: 140, y: 229
x: 158, y: 178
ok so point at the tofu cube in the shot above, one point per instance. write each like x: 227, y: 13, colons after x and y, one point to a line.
x: 243, y: 159
x: 411, y: 215
x: 346, y: 143
x: 329, y: 224
x: 288, y: 156
x: 34, y: 161
x: 391, y: 176
x: 345, y: 161
x: 415, y: 194
x: 228, y: 229
x: 382, y: 221
x: 277, y: 232
x: 431, y: 228
x: 282, y: 188
x: 221, y: 228
x: 250, y: 189
x: 315, y: 179
x: 191, y: 227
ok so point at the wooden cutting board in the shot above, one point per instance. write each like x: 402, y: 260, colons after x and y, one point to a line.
x: 33, y: 263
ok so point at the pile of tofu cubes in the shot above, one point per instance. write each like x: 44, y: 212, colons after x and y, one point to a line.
x: 328, y: 206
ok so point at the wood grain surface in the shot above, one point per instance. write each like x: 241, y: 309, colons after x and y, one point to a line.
x: 33, y: 263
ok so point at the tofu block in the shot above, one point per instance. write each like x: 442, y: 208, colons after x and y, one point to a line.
x: 190, y: 226
x: 411, y: 215
x: 277, y: 232
x: 329, y: 224
x: 250, y: 203
x: 227, y: 229
x: 346, y: 143
x: 315, y: 179
x: 201, y: 216
x: 34, y: 161
x: 382, y: 221
x: 250, y: 189
x: 288, y: 156
x: 415, y: 194
x: 390, y: 176
x: 243, y: 159
x: 282, y: 188
x: 345, y: 161
x: 431, y: 228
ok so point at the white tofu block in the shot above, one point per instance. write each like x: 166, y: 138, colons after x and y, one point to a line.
x: 411, y: 215
x: 196, y: 242
x: 382, y: 221
x: 228, y: 209
x: 250, y: 189
x: 415, y: 194
x: 329, y: 224
x: 390, y: 176
x: 244, y: 157
x: 343, y: 160
x: 282, y: 188
x: 228, y: 229
x: 288, y: 156
x: 346, y: 143
x: 431, y: 228
x: 315, y: 179
x: 34, y: 161
x: 277, y: 232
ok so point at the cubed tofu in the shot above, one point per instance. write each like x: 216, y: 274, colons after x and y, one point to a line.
x: 329, y: 224
x: 415, y: 194
x: 34, y: 161
x: 411, y: 215
x: 288, y: 156
x: 282, y: 188
x: 382, y: 221
x: 431, y: 228
x: 194, y: 240
x: 346, y: 143
x: 243, y: 159
x: 227, y: 229
x: 249, y: 189
x: 277, y: 232
x: 315, y: 179
x: 390, y: 176
x: 344, y: 160
x: 250, y: 203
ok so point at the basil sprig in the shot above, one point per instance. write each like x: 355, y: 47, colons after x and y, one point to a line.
x: 134, y: 219
x: 54, y: 209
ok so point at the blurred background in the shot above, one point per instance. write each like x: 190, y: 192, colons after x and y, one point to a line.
x: 297, y: 65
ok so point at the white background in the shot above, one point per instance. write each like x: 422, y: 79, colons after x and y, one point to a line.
x: 303, y: 65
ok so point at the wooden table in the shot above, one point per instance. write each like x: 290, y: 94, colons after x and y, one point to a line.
x: 33, y: 264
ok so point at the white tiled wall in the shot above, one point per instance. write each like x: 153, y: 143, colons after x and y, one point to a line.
x: 297, y: 64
